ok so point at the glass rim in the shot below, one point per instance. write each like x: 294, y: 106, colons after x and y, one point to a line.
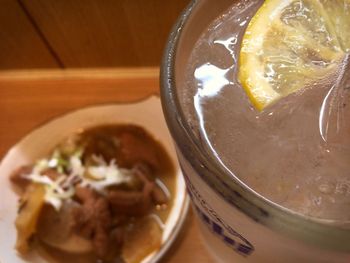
x: 252, y: 204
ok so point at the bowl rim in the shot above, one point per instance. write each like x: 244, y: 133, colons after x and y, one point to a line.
x: 223, y: 182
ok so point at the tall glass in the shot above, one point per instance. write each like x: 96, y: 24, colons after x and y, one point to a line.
x: 237, y: 224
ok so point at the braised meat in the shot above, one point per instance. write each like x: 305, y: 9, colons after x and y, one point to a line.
x: 98, y: 192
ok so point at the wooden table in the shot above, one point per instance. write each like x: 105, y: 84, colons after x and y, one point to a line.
x: 30, y: 98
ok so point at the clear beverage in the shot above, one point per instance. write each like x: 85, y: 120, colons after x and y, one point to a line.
x: 295, y: 153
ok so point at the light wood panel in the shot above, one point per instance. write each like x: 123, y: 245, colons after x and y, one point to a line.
x: 30, y: 98
x: 106, y: 33
x: 20, y: 44
x: 150, y: 23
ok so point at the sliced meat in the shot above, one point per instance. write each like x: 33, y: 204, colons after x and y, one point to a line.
x: 94, y: 220
x: 101, y: 145
x: 134, y: 203
x: 116, y: 241
x: 130, y: 203
x: 135, y: 149
x: 52, y: 173
x: 144, y: 173
x: 117, y: 235
x: 103, y: 225
x: 18, y: 177
x: 84, y: 194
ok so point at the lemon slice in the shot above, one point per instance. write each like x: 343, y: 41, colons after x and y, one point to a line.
x: 290, y: 44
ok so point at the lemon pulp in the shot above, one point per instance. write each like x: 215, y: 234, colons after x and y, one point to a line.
x: 289, y: 44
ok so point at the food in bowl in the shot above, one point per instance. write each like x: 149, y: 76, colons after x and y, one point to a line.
x: 102, y: 195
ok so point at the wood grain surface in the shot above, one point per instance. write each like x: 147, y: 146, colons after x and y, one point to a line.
x: 105, y: 33
x: 21, y: 46
x: 31, y: 98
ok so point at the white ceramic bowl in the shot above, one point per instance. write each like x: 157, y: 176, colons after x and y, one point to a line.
x: 39, y: 142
